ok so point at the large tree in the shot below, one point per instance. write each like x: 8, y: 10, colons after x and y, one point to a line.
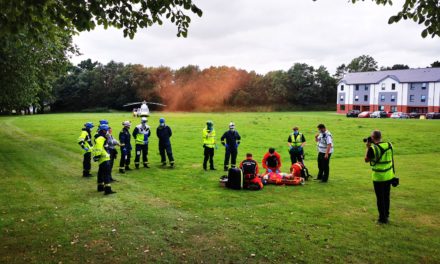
x: 362, y: 64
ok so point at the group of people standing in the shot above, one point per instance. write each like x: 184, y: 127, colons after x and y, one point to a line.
x: 102, y: 146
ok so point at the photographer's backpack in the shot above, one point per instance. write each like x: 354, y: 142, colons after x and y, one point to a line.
x: 235, y: 179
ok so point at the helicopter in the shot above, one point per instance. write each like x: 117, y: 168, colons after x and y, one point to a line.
x: 142, y: 111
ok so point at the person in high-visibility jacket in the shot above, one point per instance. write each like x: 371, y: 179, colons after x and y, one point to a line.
x: 208, y: 137
x: 101, y: 156
x: 141, y: 133
x: 296, y: 143
x: 85, y: 141
x: 380, y: 156
x: 125, y: 140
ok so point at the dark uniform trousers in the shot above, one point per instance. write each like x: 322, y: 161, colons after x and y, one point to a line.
x: 166, y: 147
x: 323, y: 166
x: 230, y: 153
x: 144, y: 150
x: 103, y: 175
x: 125, y: 158
x: 87, y: 165
x: 296, y: 156
x: 382, y: 190
x: 209, y: 154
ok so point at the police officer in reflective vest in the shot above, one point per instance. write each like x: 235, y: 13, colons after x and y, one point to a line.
x: 380, y: 156
x: 124, y: 139
x: 231, y: 141
x: 85, y: 141
x: 164, y: 133
x: 141, y: 134
x: 296, y: 142
x: 101, y: 156
x: 208, y: 137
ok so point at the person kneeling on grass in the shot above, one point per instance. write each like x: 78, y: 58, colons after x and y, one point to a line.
x: 272, y: 161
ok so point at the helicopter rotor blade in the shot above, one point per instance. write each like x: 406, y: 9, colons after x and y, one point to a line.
x: 156, y: 103
x: 132, y: 104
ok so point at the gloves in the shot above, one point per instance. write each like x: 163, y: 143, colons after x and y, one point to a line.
x: 124, y: 150
x: 96, y: 158
x: 300, y: 148
x: 236, y: 145
x: 145, y: 142
x: 269, y: 170
x: 290, y: 147
x: 86, y: 149
x: 226, y: 146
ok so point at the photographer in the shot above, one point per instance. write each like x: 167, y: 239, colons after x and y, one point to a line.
x: 380, y: 156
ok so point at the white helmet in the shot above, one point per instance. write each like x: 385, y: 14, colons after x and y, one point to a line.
x: 144, y: 119
x: 231, y: 125
x: 126, y: 123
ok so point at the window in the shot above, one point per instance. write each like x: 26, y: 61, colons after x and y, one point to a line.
x: 423, y: 98
x: 393, y: 98
x: 381, y: 107
x: 393, y: 86
x: 341, y: 98
x: 357, y: 87
x: 366, y: 87
x: 382, y: 98
x: 393, y: 108
x: 365, y: 98
x: 413, y: 86
x: 383, y: 86
x: 342, y: 107
x: 356, y: 98
x: 342, y: 87
x: 411, y: 98
x: 423, y: 86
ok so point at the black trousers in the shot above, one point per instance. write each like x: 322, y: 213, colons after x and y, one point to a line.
x: 231, y: 154
x: 382, y: 190
x: 125, y: 158
x: 323, y: 166
x: 144, y: 150
x: 166, y: 148
x: 87, y: 165
x: 296, y: 156
x: 209, y: 154
x: 104, y: 173
x: 113, y: 156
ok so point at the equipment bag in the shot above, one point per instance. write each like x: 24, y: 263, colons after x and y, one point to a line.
x: 235, y: 179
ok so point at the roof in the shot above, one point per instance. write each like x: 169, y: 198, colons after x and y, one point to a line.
x: 402, y: 76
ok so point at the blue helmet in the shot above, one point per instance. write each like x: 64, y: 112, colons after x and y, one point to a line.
x: 103, y: 122
x: 162, y: 120
x: 88, y: 125
x: 104, y: 127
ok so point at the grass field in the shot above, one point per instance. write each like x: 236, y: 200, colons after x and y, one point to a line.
x: 50, y: 214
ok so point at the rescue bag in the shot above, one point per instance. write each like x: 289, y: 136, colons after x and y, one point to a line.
x: 235, y: 179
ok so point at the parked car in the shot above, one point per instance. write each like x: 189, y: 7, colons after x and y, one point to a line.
x: 389, y: 114
x: 414, y: 115
x: 379, y: 114
x: 433, y: 115
x: 399, y: 115
x: 353, y: 113
x: 364, y: 114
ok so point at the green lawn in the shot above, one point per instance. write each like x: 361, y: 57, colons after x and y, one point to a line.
x: 50, y: 214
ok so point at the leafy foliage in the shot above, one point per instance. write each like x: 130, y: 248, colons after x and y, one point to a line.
x: 362, y: 63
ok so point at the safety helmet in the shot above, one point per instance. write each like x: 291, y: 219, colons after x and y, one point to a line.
x: 103, y: 127
x: 103, y: 122
x: 126, y: 123
x: 88, y: 125
x: 231, y: 125
x: 144, y: 119
x: 162, y: 120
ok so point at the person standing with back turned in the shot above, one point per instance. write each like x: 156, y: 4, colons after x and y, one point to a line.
x: 208, y: 137
x: 380, y: 156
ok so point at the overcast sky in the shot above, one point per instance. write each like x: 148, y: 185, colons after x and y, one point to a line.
x: 270, y: 35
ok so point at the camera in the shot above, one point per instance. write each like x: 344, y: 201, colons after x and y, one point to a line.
x: 368, y: 140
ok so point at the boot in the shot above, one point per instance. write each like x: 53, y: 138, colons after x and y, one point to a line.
x: 225, y: 168
x: 172, y: 164
x: 146, y: 165
x: 100, y: 187
x: 212, y: 168
x: 127, y: 168
x: 121, y: 170
x: 164, y: 163
x: 108, y: 190
x: 204, y: 167
x: 86, y: 174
